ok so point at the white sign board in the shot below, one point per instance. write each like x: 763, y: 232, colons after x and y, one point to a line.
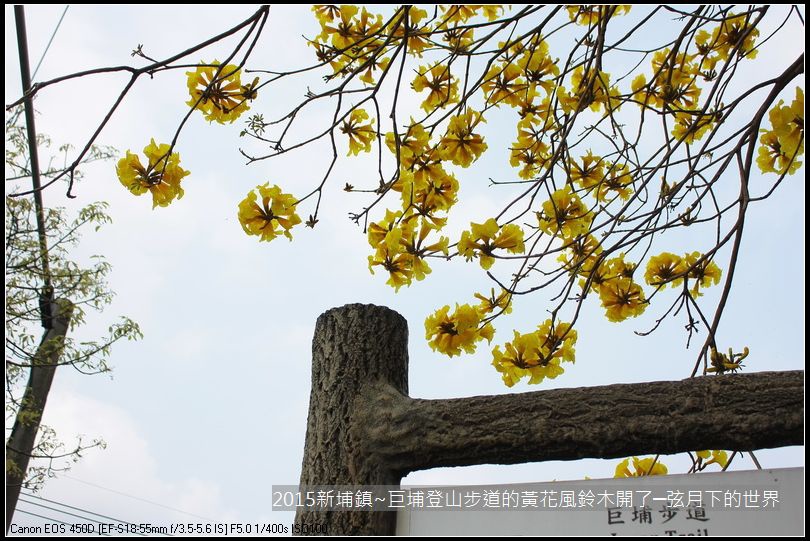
x: 760, y: 502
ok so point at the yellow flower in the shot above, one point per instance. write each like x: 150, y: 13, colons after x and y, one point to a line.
x: 275, y: 216
x: 663, y: 269
x: 618, y: 182
x: 442, y: 85
x: 733, y: 33
x: 674, y: 84
x: 564, y: 215
x: 591, y: 89
x: 412, y: 144
x: 692, y: 127
x: 536, y: 355
x: 460, y: 145
x: 705, y: 274
x: 722, y: 363
x: 501, y: 302
x: 161, y: 176
x: 360, y: 135
x: 395, y: 262
x: 588, y: 15
x: 461, y: 13
x: 502, y: 83
x: 401, y: 248
x: 641, y: 467
x: 589, y: 172
x: 342, y: 28
x: 538, y: 66
x: 622, y: 298
x: 385, y: 230
x: 450, y: 333
x: 712, y: 457
x: 220, y: 96
x: 784, y: 143
x: 581, y: 255
x: 530, y: 151
x: 417, y: 41
x: 482, y: 240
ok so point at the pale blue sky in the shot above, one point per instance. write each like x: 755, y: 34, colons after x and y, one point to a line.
x: 209, y: 410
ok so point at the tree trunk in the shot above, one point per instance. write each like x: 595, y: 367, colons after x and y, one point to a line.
x: 363, y: 429
x: 20, y: 444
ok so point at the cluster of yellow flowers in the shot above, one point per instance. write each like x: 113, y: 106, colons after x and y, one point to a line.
x: 641, y: 467
x: 613, y: 279
x: 667, y: 268
x: 709, y: 457
x: 361, y: 134
x: 401, y: 247
x: 427, y: 192
x: 722, y: 363
x: 784, y: 142
x: 275, y: 216
x: 537, y: 355
x: 218, y: 91
x: 483, y: 239
x: 674, y: 88
x: 161, y: 176
x: 462, y: 330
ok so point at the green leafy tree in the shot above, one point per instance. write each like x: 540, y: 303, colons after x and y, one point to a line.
x: 42, y: 308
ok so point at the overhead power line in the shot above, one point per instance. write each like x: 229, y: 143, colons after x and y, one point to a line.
x: 48, y: 46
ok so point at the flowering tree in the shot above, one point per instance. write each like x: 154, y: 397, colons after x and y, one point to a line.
x: 633, y: 133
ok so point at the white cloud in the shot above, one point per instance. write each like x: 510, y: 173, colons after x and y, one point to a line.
x: 127, y: 469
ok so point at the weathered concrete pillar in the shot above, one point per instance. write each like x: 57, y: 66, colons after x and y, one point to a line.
x: 363, y: 429
x: 354, y: 346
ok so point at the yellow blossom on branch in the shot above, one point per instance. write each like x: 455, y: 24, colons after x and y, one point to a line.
x: 360, y: 135
x: 450, y: 333
x: 460, y: 144
x: 588, y: 172
x: 536, y: 355
x: 441, y: 83
x: 734, y: 34
x: 493, y: 303
x: 402, y: 247
x: 161, y: 176
x: 641, y: 467
x: 565, y: 215
x: 483, y: 239
x: 691, y: 127
x: 588, y: 15
x: 784, y: 142
x: 722, y: 363
x: 273, y: 217
x: 665, y: 268
x: 589, y: 89
x: 705, y: 273
x: 219, y: 93
x: 709, y: 457
x: 503, y: 83
x: 617, y: 182
x: 581, y: 255
x: 622, y: 298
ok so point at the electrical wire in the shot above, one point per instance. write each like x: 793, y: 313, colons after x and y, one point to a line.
x: 48, y: 46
